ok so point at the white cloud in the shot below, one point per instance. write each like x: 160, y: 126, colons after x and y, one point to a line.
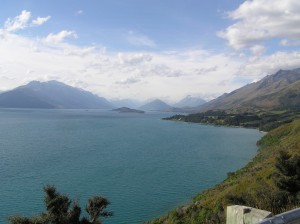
x: 128, y: 81
x: 59, y: 37
x: 79, y: 51
x: 132, y: 74
x: 134, y: 58
x: 206, y: 70
x: 116, y: 75
x: 138, y: 39
x: 79, y: 12
x: 257, y: 50
x: 21, y: 22
x: 270, y: 64
x: 261, y: 20
x: 140, y: 75
x: 289, y: 43
x: 40, y: 20
x: 18, y: 23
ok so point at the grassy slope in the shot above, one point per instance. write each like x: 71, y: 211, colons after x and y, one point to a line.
x: 252, y: 185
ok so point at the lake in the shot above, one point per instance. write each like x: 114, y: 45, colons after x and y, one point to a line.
x: 143, y: 165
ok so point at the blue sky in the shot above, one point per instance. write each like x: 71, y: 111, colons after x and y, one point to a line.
x: 170, y: 24
x: 147, y: 48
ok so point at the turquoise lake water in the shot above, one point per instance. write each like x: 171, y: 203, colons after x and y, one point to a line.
x: 145, y: 166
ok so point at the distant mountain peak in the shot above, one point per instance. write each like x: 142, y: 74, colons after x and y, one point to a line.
x: 33, y: 83
x: 55, y: 82
x: 158, y: 101
x: 52, y: 94
x: 190, y: 101
x: 156, y: 105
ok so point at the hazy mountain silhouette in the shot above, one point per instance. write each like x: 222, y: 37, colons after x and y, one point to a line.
x: 190, y: 101
x: 126, y: 103
x: 156, y: 105
x: 51, y: 94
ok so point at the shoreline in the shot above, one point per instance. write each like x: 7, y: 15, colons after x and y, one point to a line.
x: 215, y: 125
x: 248, y: 181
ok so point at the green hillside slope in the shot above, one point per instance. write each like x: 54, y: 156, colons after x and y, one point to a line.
x: 254, y: 185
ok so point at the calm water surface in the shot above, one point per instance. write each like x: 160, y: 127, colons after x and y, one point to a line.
x: 145, y: 166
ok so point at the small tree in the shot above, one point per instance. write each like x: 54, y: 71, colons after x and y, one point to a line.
x: 288, y: 173
x: 61, y: 210
x: 95, y: 208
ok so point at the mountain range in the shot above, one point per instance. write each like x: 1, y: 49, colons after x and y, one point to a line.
x: 126, y: 103
x: 51, y: 94
x: 189, y: 102
x: 57, y: 95
x: 156, y: 105
x: 278, y: 91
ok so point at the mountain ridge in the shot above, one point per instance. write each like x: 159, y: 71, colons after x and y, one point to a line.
x: 189, y: 102
x: 51, y: 94
x: 269, y: 93
x: 156, y: 105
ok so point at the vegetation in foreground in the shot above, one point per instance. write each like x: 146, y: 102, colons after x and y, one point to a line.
x: 61, y: 210
x: 264, y: 120
x: 271, y: 181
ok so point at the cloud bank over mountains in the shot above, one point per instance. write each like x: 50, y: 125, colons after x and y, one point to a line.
x: 157, y: 72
